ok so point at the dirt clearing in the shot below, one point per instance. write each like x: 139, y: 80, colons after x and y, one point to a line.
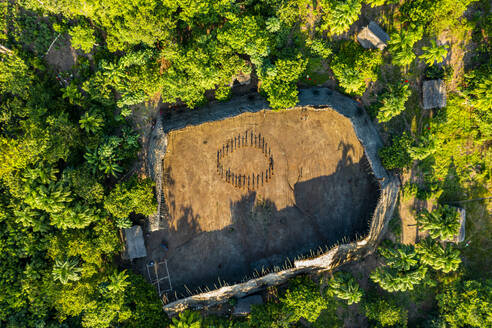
x: 251, y: 191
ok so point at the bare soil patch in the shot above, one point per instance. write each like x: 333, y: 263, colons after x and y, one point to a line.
x: 62, y: 57
x: 319, y: 193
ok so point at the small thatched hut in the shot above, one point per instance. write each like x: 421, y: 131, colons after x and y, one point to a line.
x: 460, y: 237
x: 373, y: 36
x: 135, y: 245
x: 434, y: 94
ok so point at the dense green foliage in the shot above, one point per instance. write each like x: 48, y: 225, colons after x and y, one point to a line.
x: 393, y: 102
x: 466, y: 303
x: 401, y: 46
x: 354, y: 67
x: 304, y: 300
x: 340, y: 15
x: 396, y: 154
x: 344, y: 286
x: 444, y: 258
x: 82, y: 38
x: 443, y: 222
x: 385, y: 313
x: 402, y: 271
x: 68, y: 146
x: 434, y: 54
x: 129, y: 197
x: 61, y: 151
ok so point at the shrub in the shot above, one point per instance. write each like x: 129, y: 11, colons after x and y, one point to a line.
x: 467, y: 304
x: 319, y: 48
x: 82, y: 38
x: 409, y: 190
x: 223, y: 93
x: 375, y: 3
x: 479, y: 91
x: 304, y: 300
x: 270, y: 315
x: 279, y: 81
x: 396, y: 155
x: 187, y: 319
x: 435, y: 15
x: 426, y: 146
x: 354, y: 67
x: 385, y: 313
x: 145, y: 304
x: 393, y: 102
x: 133, y: 196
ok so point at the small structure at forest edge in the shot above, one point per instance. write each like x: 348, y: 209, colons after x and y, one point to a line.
x: 434, y: 94
x: 460, y: 237
x: 135, y: 245
x: 373, y: 36
x: 243, y: 306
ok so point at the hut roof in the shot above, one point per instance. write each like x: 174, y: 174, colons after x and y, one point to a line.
x: 434, y: 93
x: 373, y: 36
x: 460, y: 237
x: 135, y: 245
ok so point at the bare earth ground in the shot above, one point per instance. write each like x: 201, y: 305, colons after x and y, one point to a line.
x: 320, y: 193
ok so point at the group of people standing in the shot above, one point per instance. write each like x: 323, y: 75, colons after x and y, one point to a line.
x: 253, y: 180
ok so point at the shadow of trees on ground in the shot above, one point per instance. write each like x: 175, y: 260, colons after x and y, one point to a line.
x: 326, y: 210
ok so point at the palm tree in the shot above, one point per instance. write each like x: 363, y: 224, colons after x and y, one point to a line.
x: 109, y: 167
x: 91, y: 122
x: 433, y: 254
x: 393, y: 280
x: 123, y: 223
x: 443, y: 222
x: 401, y: 46
x: 402, y: 270
x: 118, y: 282
x: 344, y: 286
x: 403, y: 258
x: 342, y: 15
x: 72, y: 93
x: 65, y: 271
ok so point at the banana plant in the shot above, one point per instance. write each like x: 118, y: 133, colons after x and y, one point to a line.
x: 187, y: 319
x: 72, y: 93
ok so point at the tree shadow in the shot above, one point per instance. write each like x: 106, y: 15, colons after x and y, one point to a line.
x: 326, y: 210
